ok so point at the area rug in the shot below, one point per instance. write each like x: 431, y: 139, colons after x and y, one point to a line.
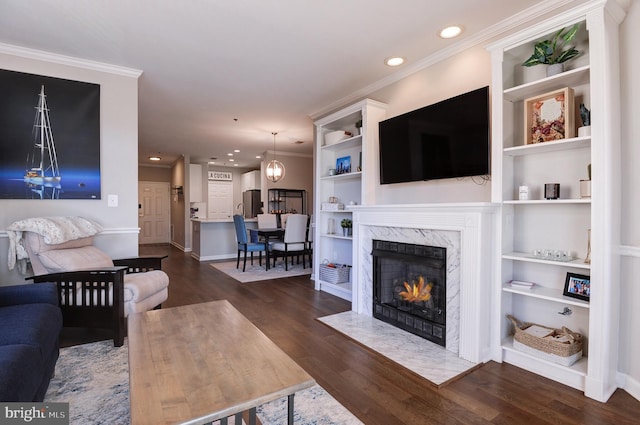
x: 431, y: 361
x: 257, y: 273
x: 94, y: 380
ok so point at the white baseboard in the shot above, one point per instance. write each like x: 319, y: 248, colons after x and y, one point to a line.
x: 629, y: 384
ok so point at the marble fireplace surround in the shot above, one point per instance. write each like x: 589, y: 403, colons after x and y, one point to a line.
x: 466, y: 231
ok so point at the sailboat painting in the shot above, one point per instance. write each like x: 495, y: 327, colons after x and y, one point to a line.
x: 49, y: 137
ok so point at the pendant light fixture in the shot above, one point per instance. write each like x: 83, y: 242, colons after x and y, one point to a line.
x: 275, y: 169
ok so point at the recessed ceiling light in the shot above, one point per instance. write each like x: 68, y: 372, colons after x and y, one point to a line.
x: 236, y: 150
x: 154, y: 158
x: 229, y: 154
x: 231, y: 160
x: 235, y: 165
x: 451, y: 32
x: 394, y: 61
x: 258, y: 157
x: 211, y: 162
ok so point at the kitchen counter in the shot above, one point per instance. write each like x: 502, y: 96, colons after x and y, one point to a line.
x: 216, y: 239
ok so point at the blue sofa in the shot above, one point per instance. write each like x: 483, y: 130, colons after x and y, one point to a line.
x: 30, y: 325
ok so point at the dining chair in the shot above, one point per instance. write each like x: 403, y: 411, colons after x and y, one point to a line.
x: 244, y: 245
x: 294, y: 242
x: 267, y: 221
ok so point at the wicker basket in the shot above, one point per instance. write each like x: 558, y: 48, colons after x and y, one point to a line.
x: 337, y: 274
x: 565, y: 353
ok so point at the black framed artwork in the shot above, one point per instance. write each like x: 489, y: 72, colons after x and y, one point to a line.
x: 577, y: 286
x: 49, y: 137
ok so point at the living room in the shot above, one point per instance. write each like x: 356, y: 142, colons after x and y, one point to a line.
x: 457, y: 72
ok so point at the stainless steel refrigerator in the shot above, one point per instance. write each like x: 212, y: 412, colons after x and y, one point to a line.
x: 251, y: 203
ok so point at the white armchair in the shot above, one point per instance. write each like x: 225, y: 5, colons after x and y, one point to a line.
x: 94, y: 290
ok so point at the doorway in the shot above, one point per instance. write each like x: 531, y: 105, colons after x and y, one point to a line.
x: 154, y: 217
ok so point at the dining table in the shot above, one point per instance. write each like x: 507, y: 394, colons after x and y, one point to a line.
x: 268, y: 235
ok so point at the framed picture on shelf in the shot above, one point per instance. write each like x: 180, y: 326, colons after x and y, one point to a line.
x: 577, y: 286
x: 549, y: 117
x: 343, y: 165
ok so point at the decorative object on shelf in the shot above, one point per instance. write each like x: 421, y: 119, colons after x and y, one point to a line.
x: 585, y: 116
x: 551, y: 191
x: 332, y: 206
x: 359, y: 126
x: 553, y: 254
x: 549, y: 117
x: 275, y: 169
x: 346, y: 224
x: 334, y: 273
x: 566, y: 311
x: 332, y: 171
x: 562, y: 346
x: 554, y: 52
x: 577, y: 286
x: 585, y: 185
x: 343, y: 165
x: 331, y: 226
x: 523, y: 192
x: 587, y: 259
x: 521, y: 284
x: 334, y: 137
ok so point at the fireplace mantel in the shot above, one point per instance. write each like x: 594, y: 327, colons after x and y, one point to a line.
x: 467, y: 230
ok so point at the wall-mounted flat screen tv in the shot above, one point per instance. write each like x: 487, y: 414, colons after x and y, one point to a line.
x: 445, y: 140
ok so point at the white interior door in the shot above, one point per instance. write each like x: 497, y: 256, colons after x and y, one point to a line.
x: 220, y: 202
x: 154, y: 217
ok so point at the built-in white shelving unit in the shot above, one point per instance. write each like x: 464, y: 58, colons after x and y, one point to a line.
x: 567, y: 223
x: 352, y: 188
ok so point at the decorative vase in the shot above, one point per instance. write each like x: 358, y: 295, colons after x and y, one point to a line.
x: 554, y: 69
x: 346, y: 231
x: 585, y: 188
x: 584, y: 131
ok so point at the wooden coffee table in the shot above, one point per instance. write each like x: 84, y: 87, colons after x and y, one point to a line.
x: 199, y: 363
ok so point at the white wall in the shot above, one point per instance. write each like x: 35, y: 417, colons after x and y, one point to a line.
x: 118, y: 157
x: 459, y: 74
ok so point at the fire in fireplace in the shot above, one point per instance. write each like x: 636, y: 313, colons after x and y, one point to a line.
x: 409, y: 288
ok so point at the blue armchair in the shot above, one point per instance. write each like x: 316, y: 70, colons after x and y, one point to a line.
x: 244, y: 245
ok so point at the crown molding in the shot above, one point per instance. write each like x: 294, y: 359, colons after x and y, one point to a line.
x: 477, y: 39
x: 41, y: 55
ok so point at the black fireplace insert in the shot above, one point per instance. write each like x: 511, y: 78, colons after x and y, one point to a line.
x: 409, y: 288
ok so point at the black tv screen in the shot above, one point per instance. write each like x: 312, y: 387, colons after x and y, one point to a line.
x: 445, y: 140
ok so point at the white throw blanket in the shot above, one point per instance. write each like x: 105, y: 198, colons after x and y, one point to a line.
x: 54, y: 230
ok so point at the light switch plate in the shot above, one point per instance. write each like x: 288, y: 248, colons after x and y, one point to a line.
x: 112, y: 200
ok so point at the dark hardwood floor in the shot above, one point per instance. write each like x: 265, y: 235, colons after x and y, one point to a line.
x: 373, y: 388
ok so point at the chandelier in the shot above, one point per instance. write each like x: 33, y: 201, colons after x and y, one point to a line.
x: 275, y: 169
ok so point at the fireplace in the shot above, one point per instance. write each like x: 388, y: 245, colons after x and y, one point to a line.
x: 409, y: 288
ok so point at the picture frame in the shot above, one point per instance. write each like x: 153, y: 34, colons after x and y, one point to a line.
x: 343, y: 165
x: 577, y: 286
x: 549, y: 117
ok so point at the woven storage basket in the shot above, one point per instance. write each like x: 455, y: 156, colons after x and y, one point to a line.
x: 565, y: 353
x: 337, y: 274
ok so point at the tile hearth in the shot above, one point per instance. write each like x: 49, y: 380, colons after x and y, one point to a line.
x: 431, y: 361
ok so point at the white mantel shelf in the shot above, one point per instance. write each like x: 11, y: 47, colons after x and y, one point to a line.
x: 466, y: 230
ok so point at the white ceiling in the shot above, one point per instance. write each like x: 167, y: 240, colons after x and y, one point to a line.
x: 268, y: 64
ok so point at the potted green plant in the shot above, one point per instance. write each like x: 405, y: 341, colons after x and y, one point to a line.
x: 359, y: 126
x: 346, y: 225
x: 556, y: 51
